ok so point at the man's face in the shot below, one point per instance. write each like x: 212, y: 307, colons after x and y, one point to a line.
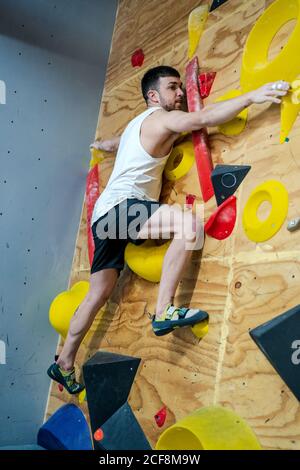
x: 170, y: 93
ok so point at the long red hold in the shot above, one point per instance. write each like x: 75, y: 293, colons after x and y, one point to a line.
x: 91, y: 196
x: 200, y: 138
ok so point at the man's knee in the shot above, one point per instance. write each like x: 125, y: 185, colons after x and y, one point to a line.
x: 193, y: 231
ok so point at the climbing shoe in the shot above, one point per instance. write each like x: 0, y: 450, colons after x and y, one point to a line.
x: 176, y: 317
x: 65, y: 378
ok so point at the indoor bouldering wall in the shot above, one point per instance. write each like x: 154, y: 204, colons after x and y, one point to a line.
x: 240, y: 283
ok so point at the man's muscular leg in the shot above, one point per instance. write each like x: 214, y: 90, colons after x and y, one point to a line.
x: 101, y: 286
x: 166, y: 222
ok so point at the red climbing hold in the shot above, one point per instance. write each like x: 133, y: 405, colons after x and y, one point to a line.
x: 200, y: 138
x: 206, y: 81
x: 222, y: 221
x: 189, y: 199
x: 137, y: 58
x: 60, y: 387
x: 160, y: 417
x: 98, y: 435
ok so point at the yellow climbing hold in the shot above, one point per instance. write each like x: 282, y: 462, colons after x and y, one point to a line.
x: 64, y: 305
x: 261, y: 230
x: 82, y: 396
x: 289, y: 113
x: 209, y: 428
x: 295, y: 91
x: 180, y: 161
x: 146, y: 260
x: 196, y: 22
x: 200, y: 329
x: 256, y: 68
x: 236, y: 125
x: 97, y: 156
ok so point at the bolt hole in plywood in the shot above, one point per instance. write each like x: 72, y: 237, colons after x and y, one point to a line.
x: 281, y: 38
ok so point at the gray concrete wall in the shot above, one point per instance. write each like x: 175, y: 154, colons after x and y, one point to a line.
x: 53, y: 57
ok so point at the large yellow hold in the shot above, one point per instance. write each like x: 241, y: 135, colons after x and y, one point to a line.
x: 257, y: 69
x: 209, y: 428
x: 64, y: 306
x: 146, y: 260
x: 196, y: 22
x: 180, y: 161
x: 275, y: 193
x: 289, y: 114
x: 290, y: 108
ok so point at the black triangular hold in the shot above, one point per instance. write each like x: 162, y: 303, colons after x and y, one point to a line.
x: 279, y: 340
x: 216, y: 3
x: 123, y: 432
x: 226, y: 179
x: 108, y: 378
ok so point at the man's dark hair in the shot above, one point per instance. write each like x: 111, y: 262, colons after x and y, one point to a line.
x: 151, y: 78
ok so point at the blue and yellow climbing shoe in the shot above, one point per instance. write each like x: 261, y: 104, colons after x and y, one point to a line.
x: 65, y: 378
x: 176, y: 317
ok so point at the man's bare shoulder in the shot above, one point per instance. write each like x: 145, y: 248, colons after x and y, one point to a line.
x: 162, y: 117
x: 164, y: 114
x: 156, y: 137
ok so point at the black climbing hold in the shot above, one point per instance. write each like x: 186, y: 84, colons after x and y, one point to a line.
x: 226, y: 179
x: 108, y: 379
x: 216, y: 3
x: 279, y: 340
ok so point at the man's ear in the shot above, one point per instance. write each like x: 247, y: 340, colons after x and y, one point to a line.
x: 153, y: 96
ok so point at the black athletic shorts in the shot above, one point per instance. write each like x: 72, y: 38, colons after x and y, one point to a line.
x: 116, y: 228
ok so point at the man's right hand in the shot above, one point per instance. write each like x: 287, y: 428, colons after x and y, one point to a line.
x: 223, y: 111
x: 270, y: 92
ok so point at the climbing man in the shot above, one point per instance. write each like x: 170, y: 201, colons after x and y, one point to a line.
x: 132, y: 195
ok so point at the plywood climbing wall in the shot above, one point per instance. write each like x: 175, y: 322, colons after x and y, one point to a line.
x: 241, y: 284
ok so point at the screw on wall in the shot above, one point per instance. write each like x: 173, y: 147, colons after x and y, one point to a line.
x: 293, y: 224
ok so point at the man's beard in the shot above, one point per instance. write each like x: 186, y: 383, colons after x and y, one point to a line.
x: 176, y: 106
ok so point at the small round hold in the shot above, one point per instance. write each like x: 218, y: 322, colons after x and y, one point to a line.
x: 98, y: 435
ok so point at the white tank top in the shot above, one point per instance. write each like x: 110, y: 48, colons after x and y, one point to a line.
x: 136, y: 174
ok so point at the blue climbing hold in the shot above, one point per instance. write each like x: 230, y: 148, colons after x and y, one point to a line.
x: 67, y: 429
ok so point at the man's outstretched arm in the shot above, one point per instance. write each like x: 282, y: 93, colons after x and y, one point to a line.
x: 109, y: 145
x: 219, y: 113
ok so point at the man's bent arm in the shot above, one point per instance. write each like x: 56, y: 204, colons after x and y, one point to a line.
x: 219, y: 113
x: 109, y: 145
